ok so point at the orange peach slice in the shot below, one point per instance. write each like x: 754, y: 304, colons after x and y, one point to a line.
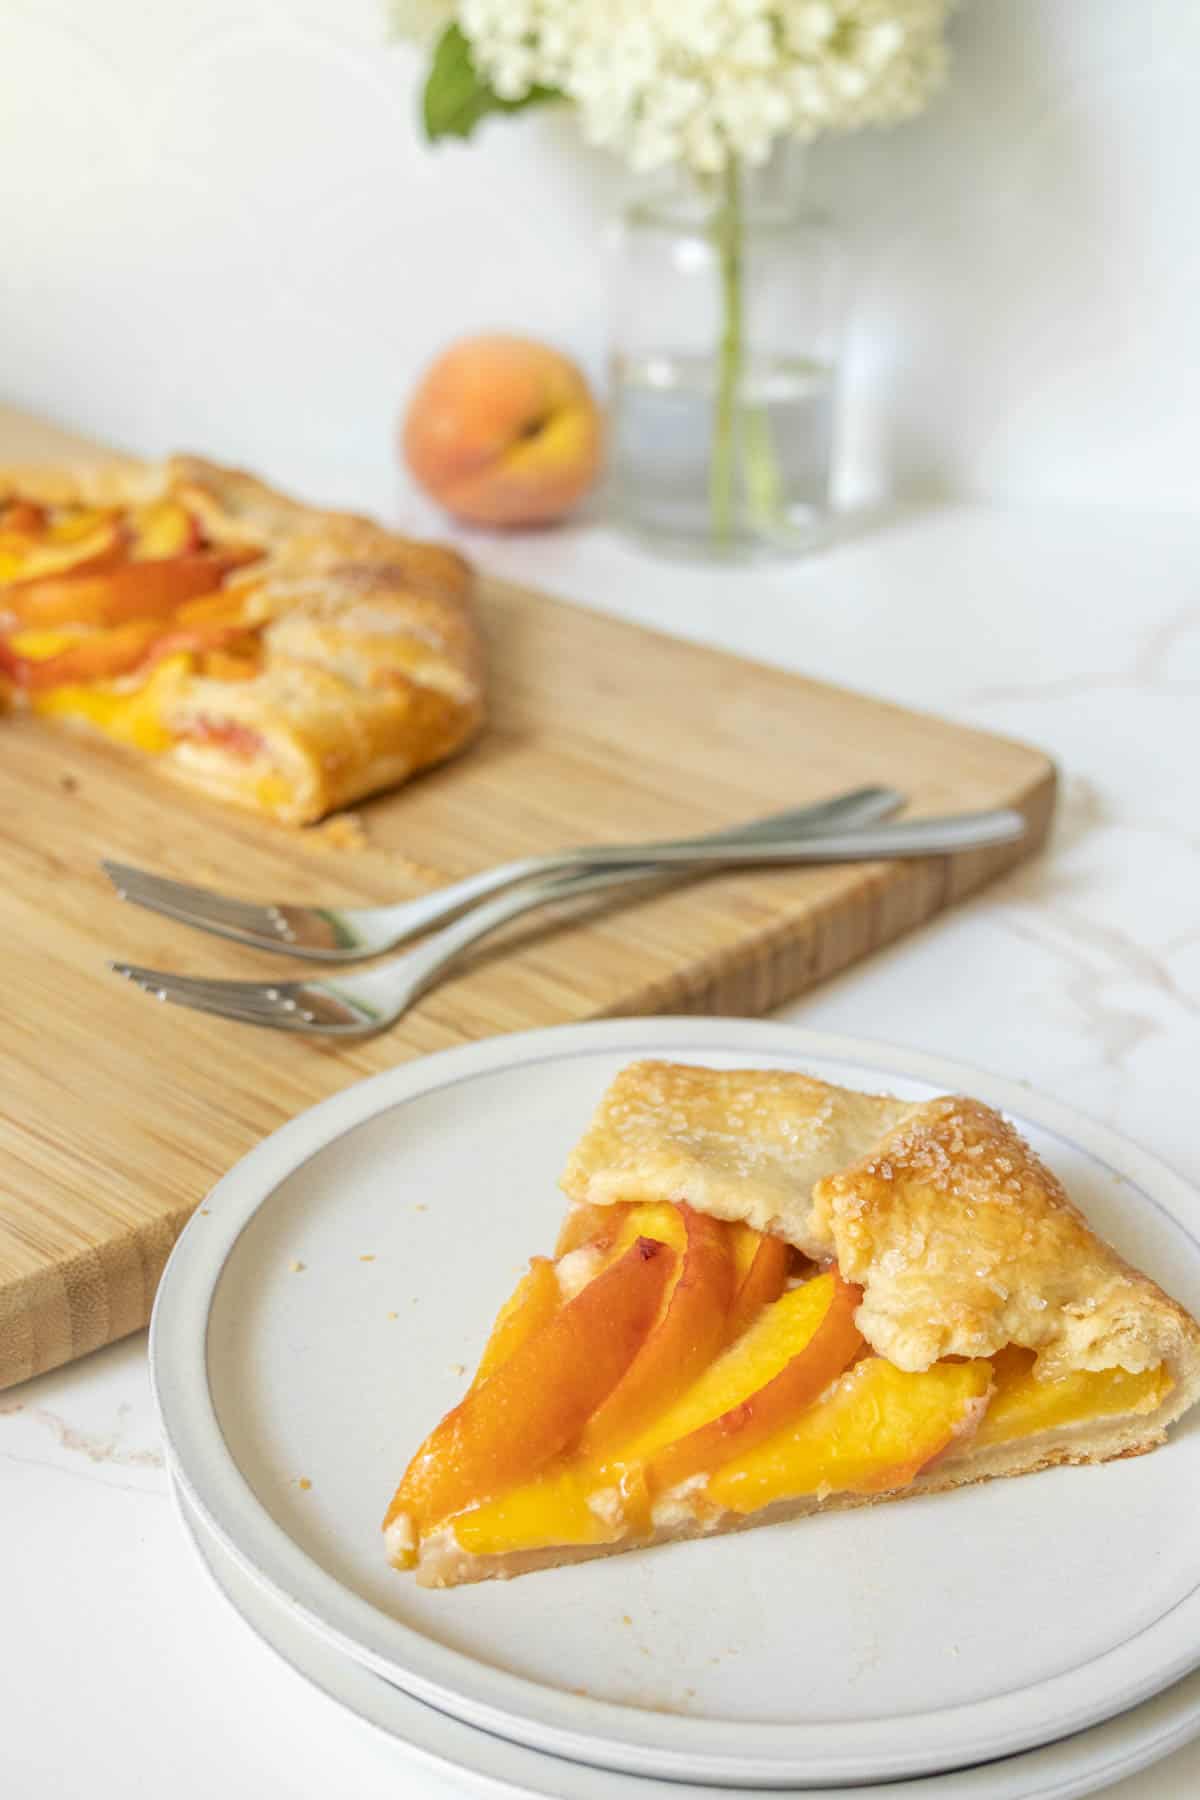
x: 801, y: 1381
x: 224, y: 607
x: 761, y: 1285
x: 538, y: 1402
x: 683, y: 1342
x: 24, y: 517
x: 531, y: 1305
x: 873, y: 1433
x: 144, y: 590
x: 105, y: 655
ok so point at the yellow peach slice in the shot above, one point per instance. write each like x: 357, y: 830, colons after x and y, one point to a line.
x: 588, y: 1224
x: 98, y: 547
x: 660, y: 1219
x: 780, y: 1332
x: 555, y: 1508
x: 801, y: 1381
x: 1023, y: 1405
x: 874, y: 1433
x: 161, y: 528
x: 128, y: 718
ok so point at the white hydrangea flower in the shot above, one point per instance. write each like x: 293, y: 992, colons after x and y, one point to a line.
x: 422, y: 21
x: 699, y: 81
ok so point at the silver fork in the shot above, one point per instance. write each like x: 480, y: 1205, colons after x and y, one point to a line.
x: 348, y: 933
x: 370, y: 1001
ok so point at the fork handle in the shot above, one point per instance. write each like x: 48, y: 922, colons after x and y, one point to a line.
x: 417, y: 970
x: 392, y: 925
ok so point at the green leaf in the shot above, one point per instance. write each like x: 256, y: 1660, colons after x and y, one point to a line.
x: 457, y: 96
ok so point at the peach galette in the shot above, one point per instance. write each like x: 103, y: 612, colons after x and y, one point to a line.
x: 773, y: 1297
x: 284, y: 659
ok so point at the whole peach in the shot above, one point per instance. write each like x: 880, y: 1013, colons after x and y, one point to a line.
x: 503, y: 431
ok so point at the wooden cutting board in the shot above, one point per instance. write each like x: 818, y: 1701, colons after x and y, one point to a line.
x: 118, y: 1115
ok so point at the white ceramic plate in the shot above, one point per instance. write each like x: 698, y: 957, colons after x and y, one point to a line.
x: 860, y: 1647
x: 1078, y: 1765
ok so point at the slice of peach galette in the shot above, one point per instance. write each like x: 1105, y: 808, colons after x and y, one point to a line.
x: 772, y: 1297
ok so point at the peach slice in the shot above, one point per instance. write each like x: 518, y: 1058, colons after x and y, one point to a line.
x: 873, y: 1434
x: 229, y: 665
x: 554, y: 1508
x: 105, y: 655
x: 24, y: 517
x: 583, y: 1261
x: 134, y: 718
x: 91, y: 552
x: 1023, y: 1405
x: 761, y: 1284
x: 683, y: 1342
x: 588, y: 1224
x: 160, y: 529
x: 97, y: 656
x: 661, y: 1219
x: 536, y: 1403
x: 202, y: 639
x: 144, y: 590
x: 801, y: 1381
x: 587, y: 1502
x: 778, y: 1334
x: 531, y: 1305
x: 69, y: 524
x: 224, y: 607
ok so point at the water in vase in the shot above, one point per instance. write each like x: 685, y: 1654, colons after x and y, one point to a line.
x: 662, y: 440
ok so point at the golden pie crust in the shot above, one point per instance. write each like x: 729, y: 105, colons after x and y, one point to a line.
x: 371, y: 664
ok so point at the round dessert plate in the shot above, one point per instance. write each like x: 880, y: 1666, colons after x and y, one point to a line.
x: 320, y: 1312
x: 1078, y: 1765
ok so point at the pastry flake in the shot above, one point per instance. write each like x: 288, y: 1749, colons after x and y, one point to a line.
x: 772, y: 1297
x: 278, y: 657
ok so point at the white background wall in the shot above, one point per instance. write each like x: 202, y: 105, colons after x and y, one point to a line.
x: 220, y: 228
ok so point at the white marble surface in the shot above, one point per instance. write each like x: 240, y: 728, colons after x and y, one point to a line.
x: 1077, y: 629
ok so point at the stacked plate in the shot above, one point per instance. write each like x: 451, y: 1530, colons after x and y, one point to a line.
x: 1016, y: 1639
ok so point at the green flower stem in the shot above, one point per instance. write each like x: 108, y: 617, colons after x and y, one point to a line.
x: 727, y: 233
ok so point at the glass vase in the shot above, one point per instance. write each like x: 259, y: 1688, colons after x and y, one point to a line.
x: 725, y: 337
